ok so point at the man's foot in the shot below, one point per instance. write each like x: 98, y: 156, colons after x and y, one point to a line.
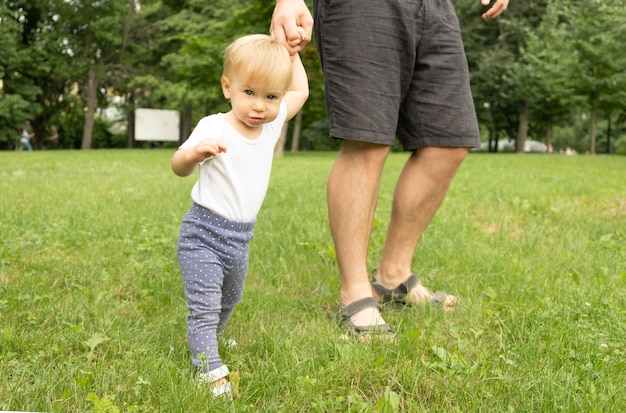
x: 412, y: 292
x: 362, y: 319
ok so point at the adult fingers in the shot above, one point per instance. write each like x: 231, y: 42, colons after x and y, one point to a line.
x: 497, y: 9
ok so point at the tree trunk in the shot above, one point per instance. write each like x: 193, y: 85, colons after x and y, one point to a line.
x: 522, y: 132
x: 130, y: 129
x: 592, y: 131
x: 493, y: 140
x: 92, y: 103
x: 295, y: 137
x: 130, y: 124
x: 549, y: 131
x: 132, y: 7
x: 608, y: 136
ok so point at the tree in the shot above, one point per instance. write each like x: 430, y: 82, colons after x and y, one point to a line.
x: 598, y: 36
x: 534, y: 67
x: 189, y: 74
x: 93, y: 35
x: 493, y: 51
x: 67, y: 58
x: 545, y: 71
x: 20, y: 67
x: 66, y: 49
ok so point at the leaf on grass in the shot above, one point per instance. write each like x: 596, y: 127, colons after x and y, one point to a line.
x: 389, y: 403
x: 104, y: 404
x: 490, y: 293
x: 94, y: 341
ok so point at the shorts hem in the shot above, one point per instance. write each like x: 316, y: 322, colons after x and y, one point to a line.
x: 362, y: 135
x: 445, y: 143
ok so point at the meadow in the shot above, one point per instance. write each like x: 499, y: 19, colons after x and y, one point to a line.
x: 93, y: 312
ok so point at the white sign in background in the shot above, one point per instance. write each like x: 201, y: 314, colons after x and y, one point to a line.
x: 157, y: 125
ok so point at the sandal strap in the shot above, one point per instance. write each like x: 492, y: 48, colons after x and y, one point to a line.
x: 353, y: 308
x: 379, y: 329
x: 399, y: 293
x: 344, y: 314
x: 439, y: 297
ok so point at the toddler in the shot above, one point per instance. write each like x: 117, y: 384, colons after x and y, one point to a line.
x: 234, y: 150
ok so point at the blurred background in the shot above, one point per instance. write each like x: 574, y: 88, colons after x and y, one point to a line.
x: 547, y: 76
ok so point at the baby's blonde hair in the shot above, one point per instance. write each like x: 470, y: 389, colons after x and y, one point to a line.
x: 259, y: 57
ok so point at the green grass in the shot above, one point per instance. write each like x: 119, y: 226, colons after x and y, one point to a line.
x: 93, y: 313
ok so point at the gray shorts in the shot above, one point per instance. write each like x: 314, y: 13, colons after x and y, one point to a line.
x: 395, y: 67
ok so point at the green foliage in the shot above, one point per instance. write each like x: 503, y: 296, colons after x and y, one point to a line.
x: 550, y: 53
x: 168, y: 54
x: 317, y: 136
x: 102, y: 405
x: 492, y: 50
x: 389, y: 403
x: 546, y: 67
x: 18, y: 64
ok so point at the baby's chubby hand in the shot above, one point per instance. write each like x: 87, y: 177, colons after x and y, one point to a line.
x: 207, y: 148
x: 302, y: 34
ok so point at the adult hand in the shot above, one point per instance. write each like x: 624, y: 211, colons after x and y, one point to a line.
x: 497, y: 9
x: 292, y: 24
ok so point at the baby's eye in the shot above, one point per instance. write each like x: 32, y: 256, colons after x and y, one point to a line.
x: 249, y: 92
x: 271, y: 97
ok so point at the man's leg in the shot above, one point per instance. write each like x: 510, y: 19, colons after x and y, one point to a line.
x: 352, y: 195
x: 420, y: 190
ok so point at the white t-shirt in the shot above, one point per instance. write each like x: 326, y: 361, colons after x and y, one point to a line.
x: 234, y: 184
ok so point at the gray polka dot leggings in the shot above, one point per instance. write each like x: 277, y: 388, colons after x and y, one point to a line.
x: 213, y: 256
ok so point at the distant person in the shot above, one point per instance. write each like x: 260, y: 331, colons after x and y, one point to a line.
x: 234, y: 151
x: 25, y: 137
x: 53, y: 139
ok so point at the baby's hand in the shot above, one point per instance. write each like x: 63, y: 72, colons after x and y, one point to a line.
x: 296, y: 42
x: 208, y: 148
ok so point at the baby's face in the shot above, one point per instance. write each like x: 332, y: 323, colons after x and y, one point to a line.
x: 253, y: 102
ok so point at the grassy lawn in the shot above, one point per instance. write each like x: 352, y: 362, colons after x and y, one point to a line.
x: 93, y: 312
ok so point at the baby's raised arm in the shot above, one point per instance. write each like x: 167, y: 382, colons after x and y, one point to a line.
x: 298, y: 91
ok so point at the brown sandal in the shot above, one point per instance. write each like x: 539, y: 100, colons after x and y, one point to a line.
x: 344, y: 316
x: 398, y: 295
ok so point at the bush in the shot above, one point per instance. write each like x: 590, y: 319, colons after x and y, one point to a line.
x: 317, y: 137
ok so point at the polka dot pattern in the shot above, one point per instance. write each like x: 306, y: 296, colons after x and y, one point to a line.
x: 213, y: 256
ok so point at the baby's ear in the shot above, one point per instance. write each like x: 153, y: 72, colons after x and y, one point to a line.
x: 225, y: 87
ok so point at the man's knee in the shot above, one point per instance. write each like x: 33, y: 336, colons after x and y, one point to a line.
x: 440, y: 163
x: 451, y: 156
x: 366, y: 152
